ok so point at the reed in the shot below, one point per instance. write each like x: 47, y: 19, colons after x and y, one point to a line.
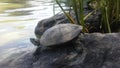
x: 110, y: 12
x: 77, y: 7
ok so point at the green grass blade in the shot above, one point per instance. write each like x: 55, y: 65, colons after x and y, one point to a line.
x: 81, y: 14
x: 68, y: 16
x: 107, y: 21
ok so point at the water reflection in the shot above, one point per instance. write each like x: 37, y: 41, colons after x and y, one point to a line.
x: 18, y: 13
x: 12, y: 4
x: 27, y: 9
x: 14, y: 1
x: 18, y: 19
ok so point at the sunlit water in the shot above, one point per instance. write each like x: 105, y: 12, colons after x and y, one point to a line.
x: 18, y: 19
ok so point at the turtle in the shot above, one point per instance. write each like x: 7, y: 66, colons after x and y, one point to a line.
x: 58, y: 34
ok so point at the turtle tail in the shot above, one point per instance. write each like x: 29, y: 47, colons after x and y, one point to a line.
x: 34, y: 41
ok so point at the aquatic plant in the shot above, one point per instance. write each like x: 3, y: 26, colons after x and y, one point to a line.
x: 77, y: 6
x: 110, y: 13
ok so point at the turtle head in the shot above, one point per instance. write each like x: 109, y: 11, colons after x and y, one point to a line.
x: 35, y: 42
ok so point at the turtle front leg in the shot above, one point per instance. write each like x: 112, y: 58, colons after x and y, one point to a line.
x: 39, y: 48
x: 35, y: 42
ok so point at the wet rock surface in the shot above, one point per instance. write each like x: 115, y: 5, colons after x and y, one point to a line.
x: 97, y: 51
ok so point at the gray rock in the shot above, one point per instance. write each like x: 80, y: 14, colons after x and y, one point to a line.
x: 99, y: 51
x: 103, y: 50
x: 45, y: 24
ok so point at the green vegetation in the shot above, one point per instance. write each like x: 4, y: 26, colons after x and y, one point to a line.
x: 110, y: 13
x: 110, y: 10
x: 77, y: 6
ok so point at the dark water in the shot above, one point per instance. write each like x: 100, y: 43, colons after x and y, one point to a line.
x: 18, y: 19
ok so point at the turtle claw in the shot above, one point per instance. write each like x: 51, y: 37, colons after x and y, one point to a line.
x: 35, y: 41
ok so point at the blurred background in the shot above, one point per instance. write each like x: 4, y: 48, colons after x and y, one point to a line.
x: 18, y: 19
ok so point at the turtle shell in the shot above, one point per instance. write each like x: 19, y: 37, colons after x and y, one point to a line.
x: 59, y: 34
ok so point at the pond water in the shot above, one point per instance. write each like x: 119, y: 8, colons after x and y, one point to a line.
x: 18, y: 19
